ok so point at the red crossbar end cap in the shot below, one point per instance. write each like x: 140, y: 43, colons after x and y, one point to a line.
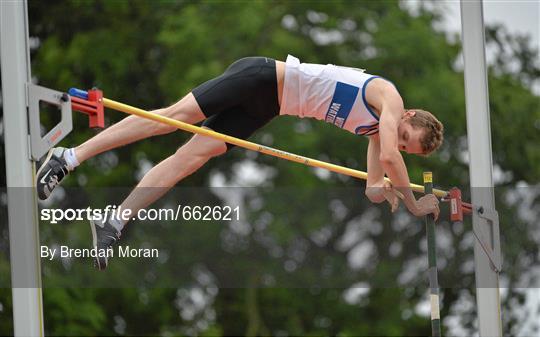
x: 456, y: 205
x: 97, y: 120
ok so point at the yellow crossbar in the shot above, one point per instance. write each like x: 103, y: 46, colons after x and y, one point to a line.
x: 249, y: 145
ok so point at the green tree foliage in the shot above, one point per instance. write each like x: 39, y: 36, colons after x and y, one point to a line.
x: 303, y: 226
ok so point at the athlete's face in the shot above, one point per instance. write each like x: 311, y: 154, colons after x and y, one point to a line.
x: 409, y: 136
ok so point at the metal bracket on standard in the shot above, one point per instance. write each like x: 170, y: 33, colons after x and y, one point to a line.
x: 458, y: 208
x: 494, y: 255
x: 40, y: 145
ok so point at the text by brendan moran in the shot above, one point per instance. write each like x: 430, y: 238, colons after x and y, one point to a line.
x: 119, y: 251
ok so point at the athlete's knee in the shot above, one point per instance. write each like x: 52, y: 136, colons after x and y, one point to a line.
x: 206, y: 147
x: 200, y: 149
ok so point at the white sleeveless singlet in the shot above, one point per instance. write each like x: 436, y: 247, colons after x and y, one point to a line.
x: 334, y: 94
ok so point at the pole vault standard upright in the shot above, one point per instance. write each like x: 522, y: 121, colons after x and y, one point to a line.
x: 22, y: 199
x: 485, y: 225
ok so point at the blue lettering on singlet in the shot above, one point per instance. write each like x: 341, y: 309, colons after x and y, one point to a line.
x: 342, y: 103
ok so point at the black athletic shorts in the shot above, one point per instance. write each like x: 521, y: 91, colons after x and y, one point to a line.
x: 241, y: 100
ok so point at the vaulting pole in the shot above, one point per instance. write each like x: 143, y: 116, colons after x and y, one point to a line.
x: 432, y: 262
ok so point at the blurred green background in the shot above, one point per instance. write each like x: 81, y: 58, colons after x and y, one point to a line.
x: 151, y: 53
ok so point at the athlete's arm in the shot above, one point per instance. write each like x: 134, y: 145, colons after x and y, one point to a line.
x: 390, y: 157
x: 386, y: 99
x: 377, y: 188
x: 375, y: 179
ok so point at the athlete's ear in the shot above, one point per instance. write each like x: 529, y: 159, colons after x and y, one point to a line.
x: 409, y: 113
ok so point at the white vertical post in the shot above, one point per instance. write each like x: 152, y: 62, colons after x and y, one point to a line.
x: 480, y: 164
x: 22, y: 199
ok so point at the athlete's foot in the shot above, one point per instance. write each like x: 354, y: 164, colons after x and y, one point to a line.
x: 104, y: 236
x: 51, y: 172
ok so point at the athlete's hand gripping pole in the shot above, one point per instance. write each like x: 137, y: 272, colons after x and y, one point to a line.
x: 392, y: 195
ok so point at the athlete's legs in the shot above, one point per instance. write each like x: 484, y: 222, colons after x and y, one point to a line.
x: 237, y: 103
x: 187, y: 159
x: 135, y: 128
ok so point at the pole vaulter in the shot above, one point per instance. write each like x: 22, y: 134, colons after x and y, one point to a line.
x: 86, y: 103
